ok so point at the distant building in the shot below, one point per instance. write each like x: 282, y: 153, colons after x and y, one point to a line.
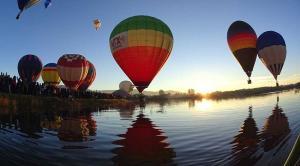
x: 121, y: 93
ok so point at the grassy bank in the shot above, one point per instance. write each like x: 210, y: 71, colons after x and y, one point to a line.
x: 26, y: 102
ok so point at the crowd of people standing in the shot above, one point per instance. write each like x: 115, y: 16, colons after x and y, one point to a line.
x: 15, y: 85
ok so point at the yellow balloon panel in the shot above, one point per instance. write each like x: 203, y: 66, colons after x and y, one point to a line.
x: 50, y: 77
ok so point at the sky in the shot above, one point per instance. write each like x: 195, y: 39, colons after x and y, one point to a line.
x: 200, y: 59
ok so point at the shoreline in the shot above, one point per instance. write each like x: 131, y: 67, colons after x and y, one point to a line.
x: 244, y: 93
x: 50, y: 103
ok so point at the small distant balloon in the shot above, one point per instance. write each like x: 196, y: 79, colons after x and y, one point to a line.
x: 126, y: 86
x: 25, y: 4
x: 97, y: 24
x: 48, y: 3
x: 272, y: 52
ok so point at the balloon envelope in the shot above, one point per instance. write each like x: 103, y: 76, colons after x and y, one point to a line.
x: 97, y: 24
x: 241, y: 39
x: 29, y: 68
x: 72, y: 70
x: 25, y: 4
x: 90, y: 77
x: 272, y: 51
x: 47, y: 3
x: 50, y: 74
x: 126, y: 86
x: 141, y: 45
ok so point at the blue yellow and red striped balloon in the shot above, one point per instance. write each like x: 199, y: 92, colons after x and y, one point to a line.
x: 50, y: 74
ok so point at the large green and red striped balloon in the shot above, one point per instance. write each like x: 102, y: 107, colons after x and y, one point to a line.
x: 141, y: 45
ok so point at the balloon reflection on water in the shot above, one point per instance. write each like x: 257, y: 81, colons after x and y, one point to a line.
x: 275, y: 129
x: 245, y: 143
x: 143, y: 143
x: 75, y: 126
x: 249, y: 140
x: 73, y: 129
x: 127, y: 112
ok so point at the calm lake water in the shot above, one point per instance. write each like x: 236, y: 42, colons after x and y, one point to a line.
x: 250, y: 131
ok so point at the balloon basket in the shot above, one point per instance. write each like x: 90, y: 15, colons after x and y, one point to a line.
x: 249, y: 82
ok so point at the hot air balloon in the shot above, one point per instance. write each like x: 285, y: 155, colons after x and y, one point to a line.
x: 48, y: 3
x: 29, y: 68
x: 241, y: 39
x: 126, y: 86
x: 25, y: 4
x: 50, y: 74
x: 97, y: 24
x: 72, y: 70
x: 90, y: 77
x: 272, y: 52
x: 141, y: 45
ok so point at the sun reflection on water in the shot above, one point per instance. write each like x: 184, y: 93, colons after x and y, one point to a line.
x: 204, y: 105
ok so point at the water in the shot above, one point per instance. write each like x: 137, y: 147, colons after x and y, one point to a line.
x: 250, y: 131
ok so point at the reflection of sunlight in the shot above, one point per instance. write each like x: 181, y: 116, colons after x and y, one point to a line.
x: 204, y: 105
